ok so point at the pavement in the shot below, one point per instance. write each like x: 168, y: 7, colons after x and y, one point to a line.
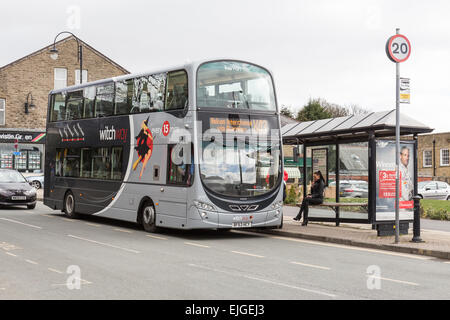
x: 44, y: 255
x: 435, y: 234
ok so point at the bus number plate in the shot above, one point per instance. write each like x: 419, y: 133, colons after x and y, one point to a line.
x: 241, y: 224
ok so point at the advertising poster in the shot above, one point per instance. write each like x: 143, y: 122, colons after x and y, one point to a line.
x: 386, y: 179
x: 320, y: 162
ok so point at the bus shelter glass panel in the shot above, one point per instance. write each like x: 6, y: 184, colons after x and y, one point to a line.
x: 354, y: 178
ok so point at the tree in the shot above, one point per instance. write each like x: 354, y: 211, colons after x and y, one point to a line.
x: 287, y: 112
x: 357, y: 110
x: 313, y: 110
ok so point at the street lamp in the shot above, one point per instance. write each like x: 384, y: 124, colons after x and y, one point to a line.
x: 29, y: 105
x: 54, y: 53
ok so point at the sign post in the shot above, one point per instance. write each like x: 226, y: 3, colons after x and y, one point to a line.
x: 398, y: 50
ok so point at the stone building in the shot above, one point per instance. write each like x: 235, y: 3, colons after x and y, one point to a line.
x: 24, y: 88
x: 434, y: 156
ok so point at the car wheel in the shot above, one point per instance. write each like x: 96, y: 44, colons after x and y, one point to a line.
x: 69, y: 206
x: 148, y: 217
x: 448, y: 198
x: 32, y: 206
x: 36, y: 184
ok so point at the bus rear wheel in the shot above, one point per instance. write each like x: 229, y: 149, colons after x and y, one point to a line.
x: 69, y: 206
x: 148, y: 217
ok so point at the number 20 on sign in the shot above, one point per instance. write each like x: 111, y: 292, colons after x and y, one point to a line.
x: 398, y: 48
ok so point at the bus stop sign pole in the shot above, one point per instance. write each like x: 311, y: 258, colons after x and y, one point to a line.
x: 398, y: 50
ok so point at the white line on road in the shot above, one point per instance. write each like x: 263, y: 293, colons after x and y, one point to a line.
x: 397, y: 281
x: 31, y: 262
x: 122, y: 230
x: 155, y: 237
x: 54, y: 270
x: 196, y: 245
x: 11, y: 254
x: 310, y: 265
x: 103, y: 244
x: 248, y: 254
x: 18, y: 222
x: 266, y: 281
x: 390, y: 253
x: 70, y: 220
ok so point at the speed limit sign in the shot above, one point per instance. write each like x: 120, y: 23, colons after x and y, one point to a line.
x: 398, y: 48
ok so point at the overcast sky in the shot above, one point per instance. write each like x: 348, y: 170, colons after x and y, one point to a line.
x: 329, y: 49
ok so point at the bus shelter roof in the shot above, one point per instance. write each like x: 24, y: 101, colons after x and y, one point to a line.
x: 351, y: 128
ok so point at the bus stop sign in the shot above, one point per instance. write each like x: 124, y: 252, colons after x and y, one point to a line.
x: 398, y: 48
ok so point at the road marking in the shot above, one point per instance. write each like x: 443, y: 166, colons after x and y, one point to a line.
x: 390, y: 253
x: 155, y: 237
x: 448, y: 262
x: 18, y: 222
x: 11, y: 254
x: 54, y: 270
x: 8, y: 246
x: 31, y: 262
x: 104, y: 244
x: 70, y: 220
x: 122, y: 230
x: 233, y: 274
x: 310, y: 265
x: 2, y: 289
x: 397, y: 281
x: 248, y: 254
x: 48, y: 216
x: 82, y: 281
x: 93, y: 225
x: 196, y: 245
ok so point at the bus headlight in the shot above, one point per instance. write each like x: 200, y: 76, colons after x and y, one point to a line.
x: 277, y: 205
x: 204, y: 206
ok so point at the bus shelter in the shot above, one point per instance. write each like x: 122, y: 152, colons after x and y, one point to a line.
x: 359, y: 149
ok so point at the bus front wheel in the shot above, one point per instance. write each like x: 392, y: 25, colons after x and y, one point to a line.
x: 69, y: 206
x: 148, y: 217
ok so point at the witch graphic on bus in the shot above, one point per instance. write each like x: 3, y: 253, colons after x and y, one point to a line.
x: 144, y: 146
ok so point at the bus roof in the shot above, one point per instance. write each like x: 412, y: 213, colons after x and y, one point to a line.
x: 188, y: 65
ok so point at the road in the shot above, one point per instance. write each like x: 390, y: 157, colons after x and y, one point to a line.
x: 40, y: 250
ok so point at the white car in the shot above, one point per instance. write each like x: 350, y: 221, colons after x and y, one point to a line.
x: 436, y: 190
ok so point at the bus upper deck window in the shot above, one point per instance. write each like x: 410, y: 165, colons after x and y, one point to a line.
x: 177, y: 90
x: 59, y: 107
x: 104, y: 102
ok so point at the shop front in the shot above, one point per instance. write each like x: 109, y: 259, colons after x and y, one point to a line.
x: 22, y: 150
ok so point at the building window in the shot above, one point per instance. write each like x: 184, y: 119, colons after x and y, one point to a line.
x: 60, y: 78
x: 427, y: 159
x: 2, y: 112
x: 77, y: 76
x: 445, y: 157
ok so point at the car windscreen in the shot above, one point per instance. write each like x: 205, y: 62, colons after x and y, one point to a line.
x: 11, y: 177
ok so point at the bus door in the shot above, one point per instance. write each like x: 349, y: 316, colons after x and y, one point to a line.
x: 179, y: 176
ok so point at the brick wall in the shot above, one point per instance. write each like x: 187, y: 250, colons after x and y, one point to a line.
x: 442, y: 141
x: 35, y: 74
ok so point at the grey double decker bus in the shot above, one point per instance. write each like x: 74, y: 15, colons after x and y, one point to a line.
x: 196, y: 146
